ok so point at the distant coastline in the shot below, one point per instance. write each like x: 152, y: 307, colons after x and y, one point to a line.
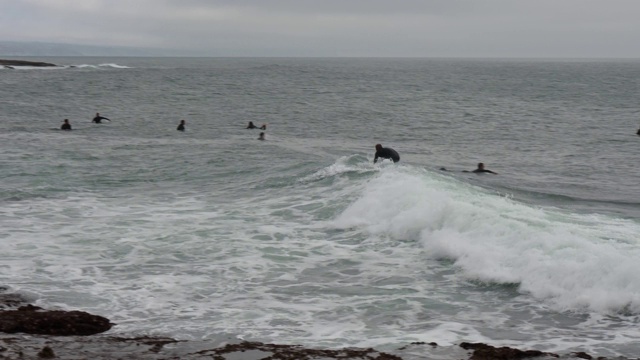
x: 11, y: 63
x: 18, y: 49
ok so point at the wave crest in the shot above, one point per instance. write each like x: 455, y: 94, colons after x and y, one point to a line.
x: 573, y: 261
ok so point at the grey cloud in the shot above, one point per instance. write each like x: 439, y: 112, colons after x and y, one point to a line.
x: 545, y: 28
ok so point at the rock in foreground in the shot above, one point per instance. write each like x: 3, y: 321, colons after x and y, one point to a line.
x: 33, y: 320
x: 101, y: 347
x: 28, y: 332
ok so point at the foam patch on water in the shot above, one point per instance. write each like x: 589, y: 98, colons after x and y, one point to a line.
x: 344, y: 165
x: 100, y: 66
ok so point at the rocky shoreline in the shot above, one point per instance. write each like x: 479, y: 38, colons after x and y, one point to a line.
x: 10, y: 64
x: 29, y: 332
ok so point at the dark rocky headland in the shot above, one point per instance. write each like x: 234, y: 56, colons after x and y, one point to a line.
x: 29, y: 332
x: 11, y: 63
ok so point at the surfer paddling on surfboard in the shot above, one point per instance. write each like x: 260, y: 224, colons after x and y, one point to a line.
x: 386, y: 153
x: 98, y: 119
x: 252, y: 126
x: 481, y: 170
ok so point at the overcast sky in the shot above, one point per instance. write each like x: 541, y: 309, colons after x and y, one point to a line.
x: 380, y: 28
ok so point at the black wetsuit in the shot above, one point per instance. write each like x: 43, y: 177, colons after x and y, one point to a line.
x: 483, y: 171
x: 251, y: 126
x: 180, y: 127
x: 98, y: 119
x: 387, y: 153
x: 65, y: 127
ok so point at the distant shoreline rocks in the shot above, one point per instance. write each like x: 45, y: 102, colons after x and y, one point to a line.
x: 31, y: 319
x: 11, y: 63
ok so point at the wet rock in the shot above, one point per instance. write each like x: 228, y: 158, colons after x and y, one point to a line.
x: 432, y: 344
x: 275, y: 351
x: 156, y: 343
x: 32, y: 320
x: 582, y: 355
x: 46, y: 353
x: 487, y: 352
x: 104, y: 347
x: 11, y: 301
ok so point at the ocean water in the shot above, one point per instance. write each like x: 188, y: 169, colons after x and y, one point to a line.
x: 301, y: 239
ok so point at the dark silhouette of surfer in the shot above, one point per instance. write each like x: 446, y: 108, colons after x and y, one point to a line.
x: 386, y: 153
x: 98, y: 119
x: 481, y: 170
x: 65, y: 125
x: 261, y: 136
x: 181, y: 125
x: 252, y: 126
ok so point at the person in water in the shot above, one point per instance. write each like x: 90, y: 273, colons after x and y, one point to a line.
x: 261, y: 136
x: 481, y: 169
x: 98, y: 119
x: 181, y: 125
x: 638, y: 132
x: 65, y: 125
x: 252, y: 126
x: 386, y: 153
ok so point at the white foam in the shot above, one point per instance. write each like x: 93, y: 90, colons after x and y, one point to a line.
x: 116, y: 66
x: 106, y: 65
x: 573, y: 261
x: 342, y: 165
